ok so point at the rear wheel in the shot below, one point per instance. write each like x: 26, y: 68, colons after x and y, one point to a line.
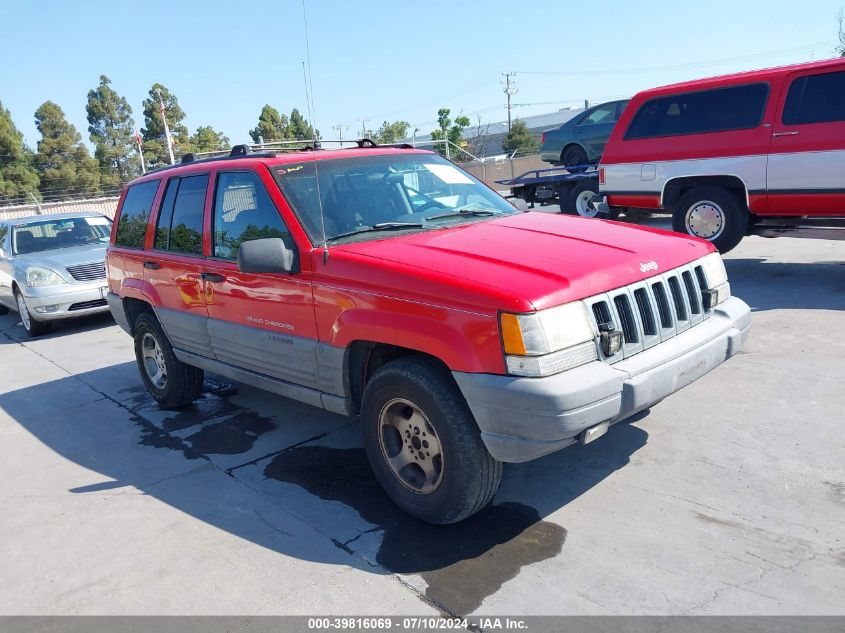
x: 714, y: 214
x: 32, y: 326
x: 581, y: 201
x: 574, y: 156
x: 171, y: 382
x: 423, y: 443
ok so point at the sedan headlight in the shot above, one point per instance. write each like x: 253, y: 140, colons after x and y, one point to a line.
x: 549, y: 341
x: 37, y: 276
x: 714, y: 287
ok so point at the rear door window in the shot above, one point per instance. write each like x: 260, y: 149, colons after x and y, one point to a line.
x: 719, y: 110
x: 180, y: 219
x: 815, y: 99
x: 132, y: 225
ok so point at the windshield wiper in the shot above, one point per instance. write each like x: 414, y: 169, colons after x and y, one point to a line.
x: 466, y: 211
x: 381, y: 226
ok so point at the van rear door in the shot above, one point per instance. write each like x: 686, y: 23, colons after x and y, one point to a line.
x: 807, y: 153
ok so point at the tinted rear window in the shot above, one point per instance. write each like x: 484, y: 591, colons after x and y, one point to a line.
x: 132, y: 226
x: 720, y: 110
x: 815, y: 99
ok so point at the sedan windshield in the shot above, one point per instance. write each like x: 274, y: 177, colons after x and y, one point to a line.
x: 373, y: 197
x: 44, y: 235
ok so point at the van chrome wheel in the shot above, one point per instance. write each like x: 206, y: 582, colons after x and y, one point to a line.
x: 705, y: 219
x: 153, y: 360
x: 410, y: 446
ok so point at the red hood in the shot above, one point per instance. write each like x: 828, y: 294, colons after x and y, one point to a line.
x: 546, y: 259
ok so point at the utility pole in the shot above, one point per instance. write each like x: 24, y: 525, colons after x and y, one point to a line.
x: 166, y: 129
x: 339, y: 129
x: 363, y: 127
x: 510, y: 90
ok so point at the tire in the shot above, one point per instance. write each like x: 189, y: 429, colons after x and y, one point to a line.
x: 574, y: 156
x: 714, y: 214
x: 417, y: 395
x: 171, y: 382
x: 32, y: 326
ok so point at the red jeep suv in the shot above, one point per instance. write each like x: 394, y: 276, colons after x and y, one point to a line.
x: 387, y: 282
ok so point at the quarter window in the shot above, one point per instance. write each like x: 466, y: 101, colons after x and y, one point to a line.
x: 132, y: 225
x: 815, y: 99
x: 180, y: 219
x: 243, y: 211
x: 719, y: 110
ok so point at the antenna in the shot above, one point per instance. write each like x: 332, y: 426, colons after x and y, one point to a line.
x: 309, y: 100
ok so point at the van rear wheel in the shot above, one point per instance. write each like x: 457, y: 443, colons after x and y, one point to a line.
x: 714, y: 214
x: 423, y: 443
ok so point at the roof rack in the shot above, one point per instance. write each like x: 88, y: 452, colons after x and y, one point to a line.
x: 272, y: 149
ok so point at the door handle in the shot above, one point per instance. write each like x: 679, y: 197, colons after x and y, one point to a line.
x: 152, y: 265
x: 213, y: 277
x: 779, y: 134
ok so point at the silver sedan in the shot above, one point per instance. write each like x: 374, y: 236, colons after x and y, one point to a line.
x: 53, y: 267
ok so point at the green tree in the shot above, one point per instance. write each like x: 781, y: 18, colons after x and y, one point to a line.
x: 391, y: 132
x: 300, y: 128
x: 520, y: 139
x: 66, y: 168
x: 18, y: 177
x: 207, y: 139
x: 453, y: 132
x: 840, y: 50
x: 272, y: 126
x: 110, y: 127
x: 155, y: 143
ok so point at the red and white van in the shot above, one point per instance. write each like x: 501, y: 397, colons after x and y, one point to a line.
x: 724, y: 154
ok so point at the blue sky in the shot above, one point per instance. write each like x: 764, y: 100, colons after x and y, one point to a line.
x: 379, y: 60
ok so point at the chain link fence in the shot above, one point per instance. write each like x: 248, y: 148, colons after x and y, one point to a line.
x: 107, y: 206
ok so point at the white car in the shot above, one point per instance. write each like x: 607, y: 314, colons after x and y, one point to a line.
x: 53, y: 267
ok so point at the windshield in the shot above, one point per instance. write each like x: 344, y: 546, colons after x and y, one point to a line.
x: 45, y: 235
x: 365, y: 197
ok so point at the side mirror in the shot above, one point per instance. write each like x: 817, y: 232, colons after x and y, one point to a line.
x: 267, y: 255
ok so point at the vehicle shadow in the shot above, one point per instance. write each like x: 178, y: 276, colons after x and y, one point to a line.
x: 766, y: 285
x: 10, y: 324
x: 122, y: 436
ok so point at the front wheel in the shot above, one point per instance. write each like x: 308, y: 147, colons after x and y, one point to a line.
x: 32, y: 326
x: 423, y: 443
x: 714, y: 214
x: 171, y: 382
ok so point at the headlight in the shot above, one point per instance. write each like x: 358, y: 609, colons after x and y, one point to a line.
x: 548, y: 341
x: 715, y: 287
x: 36, y: 276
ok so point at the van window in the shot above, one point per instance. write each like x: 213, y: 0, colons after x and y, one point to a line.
x: 815, y: 99
x: 132, y: 225
x: 185, y: 235
x: 719, y: 110
x: 243, y: 211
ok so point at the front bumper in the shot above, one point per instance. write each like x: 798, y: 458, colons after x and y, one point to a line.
x: 50, y: 303
x: 525, y: 418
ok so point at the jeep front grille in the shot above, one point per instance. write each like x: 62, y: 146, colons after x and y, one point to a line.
x: 651, y: 311
x: 88, y: 272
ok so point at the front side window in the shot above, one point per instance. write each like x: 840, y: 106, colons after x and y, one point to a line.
x: 243, y: 211
x: 132, y: 225
x: 815, y: 99
x: 367, y: 197
x: 180, y: 218
x: 45, y: 235
x: 719, y: 110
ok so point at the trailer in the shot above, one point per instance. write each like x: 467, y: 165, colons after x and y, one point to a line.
x: 572, y: 188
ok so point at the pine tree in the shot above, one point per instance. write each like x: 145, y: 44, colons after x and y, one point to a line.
x: 392, y: 132
x: 207, y: 139
x: 520, y: 139
x: 154, y: 142
x: 18, y: 177
x: 66, y: 168
x: 110, y: 126
x: 300, y: 128
x: 272, y: 126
